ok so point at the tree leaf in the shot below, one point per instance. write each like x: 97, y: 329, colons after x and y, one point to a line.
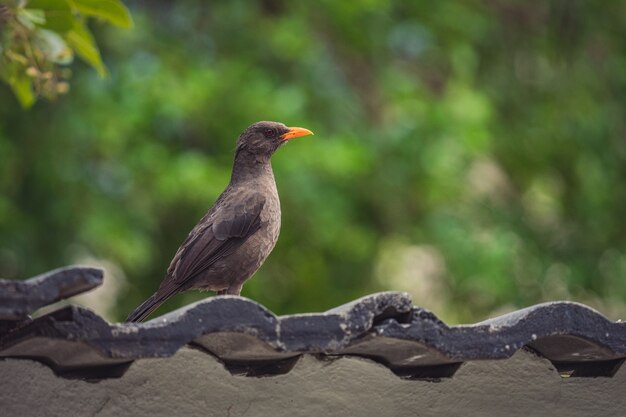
x: 112, y: 11
x: 30, y: 17
x: 53, y: 47
x: 58, y: 14
x: 22, y: 87
x: 82, y: 41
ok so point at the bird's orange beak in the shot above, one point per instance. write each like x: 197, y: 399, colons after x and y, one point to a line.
x: 296, y: 132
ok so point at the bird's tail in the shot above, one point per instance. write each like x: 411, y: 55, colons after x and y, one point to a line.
x: 148, y: 306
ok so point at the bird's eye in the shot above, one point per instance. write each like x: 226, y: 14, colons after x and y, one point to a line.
x: 269, y: 133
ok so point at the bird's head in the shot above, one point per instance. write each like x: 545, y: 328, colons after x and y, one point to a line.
x: 264, y: 138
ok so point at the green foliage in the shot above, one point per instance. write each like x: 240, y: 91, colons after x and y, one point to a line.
x: 471, y: 153
x: 40, y: 37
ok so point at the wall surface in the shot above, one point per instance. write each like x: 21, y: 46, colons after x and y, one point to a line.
x: 192, y: 383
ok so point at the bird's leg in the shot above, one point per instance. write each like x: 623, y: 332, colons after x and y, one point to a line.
x: 234, y: 289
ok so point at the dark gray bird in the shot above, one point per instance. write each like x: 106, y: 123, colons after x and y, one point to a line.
x: 237, y: 234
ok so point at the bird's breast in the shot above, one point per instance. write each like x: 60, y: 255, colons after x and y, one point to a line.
x: 270, y: 217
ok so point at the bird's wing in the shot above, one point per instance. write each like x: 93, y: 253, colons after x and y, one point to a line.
x: 217, y: 235
x: 231, y: 221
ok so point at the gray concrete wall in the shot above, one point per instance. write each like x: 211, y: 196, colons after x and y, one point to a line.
x: 192, y: 383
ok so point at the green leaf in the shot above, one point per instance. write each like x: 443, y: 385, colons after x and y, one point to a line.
x: 58, y: 14
x: 22, y: 87
x: 30, y: 17
x: 81, y: 39
x: 53, y: 47
x: 112, y: 11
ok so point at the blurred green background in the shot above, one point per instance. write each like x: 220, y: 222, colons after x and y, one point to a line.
x: 471, y: 153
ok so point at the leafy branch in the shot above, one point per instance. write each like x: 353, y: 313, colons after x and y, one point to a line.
x: 39, y: 39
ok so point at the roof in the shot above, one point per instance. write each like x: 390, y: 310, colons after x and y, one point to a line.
x: 251, y: 340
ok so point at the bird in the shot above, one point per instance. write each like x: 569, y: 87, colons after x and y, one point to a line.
x: 233, y: 239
